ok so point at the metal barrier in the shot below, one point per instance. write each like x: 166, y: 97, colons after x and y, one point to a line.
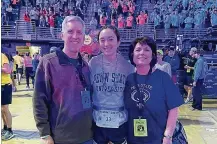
x: 187, y: 33
x: 25, y: 30
x: 8, y: 32
x: 28, y: 31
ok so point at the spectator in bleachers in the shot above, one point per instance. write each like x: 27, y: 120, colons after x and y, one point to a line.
x: 199, y: 19
x: 182, y: 17
x: 119, y: 9
x: 129, y: 21
x: 27, y: 17
x: 125, y: 10
x: 189, y: 21
x: 115, y: 4
x: 34, y: 15
x: 103, y: 20
x: 113, y: 14
x: 42, y: 22
x: 3, y: 8
x: 142, y: 19
x: 185, y: 4
x: 113, y: 21
x: 4, y: 19
x: 131, y: 7
x: 167, y: 23
x: 51, y: 22
x: 214, y: 18
x: 79, y: 13
x: 121, y: 22
x: 96, y: 6
x: 175, y: 19
x: 93, y: 23
x: 59, y: 19
x: 9, y: 12
x: 3, y: 13
x: 153, y: 15
x: 157, y: 21
x: 199, y: 4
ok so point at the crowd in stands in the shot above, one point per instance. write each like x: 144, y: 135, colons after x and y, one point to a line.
x: 9, y: 11
x: 51, y: 13
x: 185, y: 14
x: 119, y: 13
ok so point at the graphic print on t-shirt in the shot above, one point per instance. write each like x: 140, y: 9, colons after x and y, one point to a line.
x: 144, y: 91
x: 103, y: 82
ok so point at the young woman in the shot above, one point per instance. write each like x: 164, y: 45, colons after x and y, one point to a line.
x: 109, y: 71
x: 151, y: 97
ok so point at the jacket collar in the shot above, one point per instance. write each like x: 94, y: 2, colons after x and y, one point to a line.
x: 65, y: 60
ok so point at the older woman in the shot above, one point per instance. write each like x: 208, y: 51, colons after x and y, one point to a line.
x: 151, y: 97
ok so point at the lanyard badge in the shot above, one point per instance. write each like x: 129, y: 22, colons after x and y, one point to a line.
x: 86, y: 101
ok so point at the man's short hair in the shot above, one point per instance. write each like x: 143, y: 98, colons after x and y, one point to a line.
x: 72, y: 18
x: 194, y: 50
x: 172, y: 48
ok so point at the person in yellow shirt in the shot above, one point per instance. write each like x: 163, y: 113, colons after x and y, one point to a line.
x: 18, y: 60
x: 6, y: 98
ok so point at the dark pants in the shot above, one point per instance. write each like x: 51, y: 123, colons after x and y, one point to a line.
x: 104, y: 135
x: 29, y: 73
x: 197, y: 95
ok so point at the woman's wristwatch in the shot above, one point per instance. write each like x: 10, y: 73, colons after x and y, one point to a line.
x: 168, y: 137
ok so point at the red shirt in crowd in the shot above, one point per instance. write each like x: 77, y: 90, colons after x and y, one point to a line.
x: 132, y: 8
x: 51, y: 21
x: 129, y: 21
x: 120, y: 22
x: 142, y: 19
x: 115, y: 4
x: 26, y: 18
x: 124, y: 8
x: 103, y: 21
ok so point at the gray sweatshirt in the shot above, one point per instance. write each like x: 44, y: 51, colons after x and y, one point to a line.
x: 108, y: 80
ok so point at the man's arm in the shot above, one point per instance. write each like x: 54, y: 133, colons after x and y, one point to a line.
x: 41, y: 98
x: 5, y: 65
x: 198, y: 70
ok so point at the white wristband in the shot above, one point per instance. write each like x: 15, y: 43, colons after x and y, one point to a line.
x: 44, y: 137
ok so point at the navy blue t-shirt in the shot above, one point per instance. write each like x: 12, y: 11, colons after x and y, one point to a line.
x: 159, y: 95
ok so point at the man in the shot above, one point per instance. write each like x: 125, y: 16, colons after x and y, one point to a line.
x: 162, y: 65
x: 6, y: 98
x: 190, y: 62
x: 174, y: 61
x: 200, y: 69
x: 18, y: 60
x: 61, y: 101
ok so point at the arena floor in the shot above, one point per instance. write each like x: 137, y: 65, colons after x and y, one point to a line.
x: 200, y: 126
